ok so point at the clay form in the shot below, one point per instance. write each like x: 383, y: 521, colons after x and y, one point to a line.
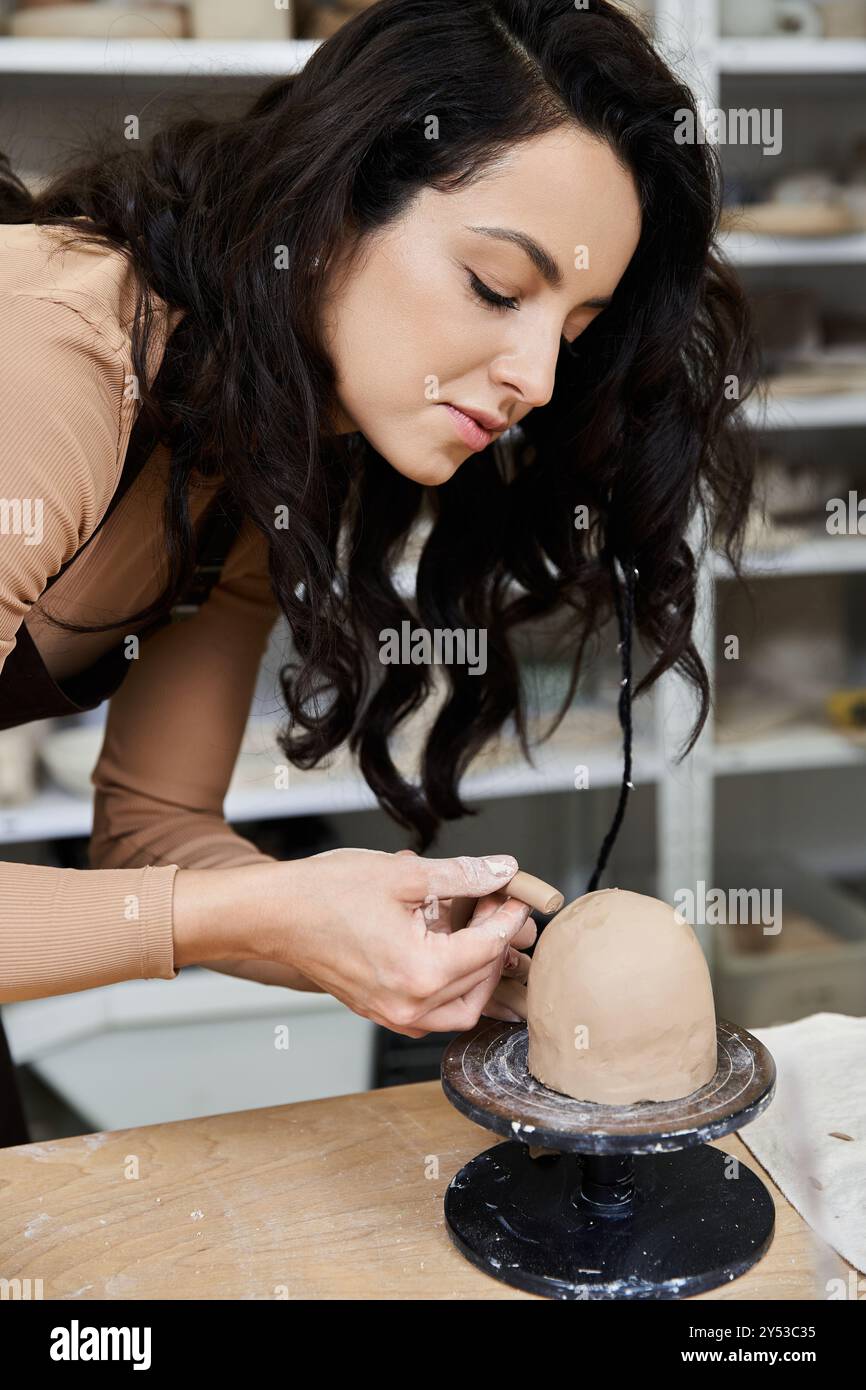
x: 534, y: 891
x: 525, y: 887
x: 619, y: 1002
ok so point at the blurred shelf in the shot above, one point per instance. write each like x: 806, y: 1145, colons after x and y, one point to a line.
x: 35, y: 1026
x: 155, y: 57
x: 55, y: 814
x: 787, y: 55
x: 747, y: 248
x: 167, y: 57
x: 794, y: 748
x: 146, y: 1051
x: 821, y: 555
x: 52, y: 814
x: 843, y: 408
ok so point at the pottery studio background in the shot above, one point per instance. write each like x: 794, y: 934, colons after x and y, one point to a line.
x: 772, y: 798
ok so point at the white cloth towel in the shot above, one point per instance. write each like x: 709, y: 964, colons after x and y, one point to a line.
x: 820, y: 1096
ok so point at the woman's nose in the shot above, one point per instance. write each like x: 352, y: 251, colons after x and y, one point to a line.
x: 530, y: 368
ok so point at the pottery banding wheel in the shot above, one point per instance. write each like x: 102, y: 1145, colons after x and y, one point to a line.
x: 633, y: 1203
x: 485, y: 1075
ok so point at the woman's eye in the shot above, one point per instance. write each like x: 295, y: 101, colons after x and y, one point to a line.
x: 489, y: 296
x: 499, y: 301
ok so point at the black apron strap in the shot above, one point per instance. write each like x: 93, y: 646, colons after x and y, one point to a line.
x: 218, y: 532
x: 142, y: 441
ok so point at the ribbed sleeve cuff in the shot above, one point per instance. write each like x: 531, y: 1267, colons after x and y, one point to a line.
x: 63, y: 930
x: 157, y: 923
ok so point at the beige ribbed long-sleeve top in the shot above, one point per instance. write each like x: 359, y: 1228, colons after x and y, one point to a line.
x: 174, y: 726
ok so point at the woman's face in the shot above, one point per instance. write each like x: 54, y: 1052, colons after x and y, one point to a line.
x: 409, y: 325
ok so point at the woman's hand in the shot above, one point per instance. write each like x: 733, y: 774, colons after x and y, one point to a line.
x: 508, y: 1000
x: 509, y: 997
x: 375, y: 931
x: 262, y: 972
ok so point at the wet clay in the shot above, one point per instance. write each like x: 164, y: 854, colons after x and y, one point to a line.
x: 619, y: 1002
x: 534, y: 892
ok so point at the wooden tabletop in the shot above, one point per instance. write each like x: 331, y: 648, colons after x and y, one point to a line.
x: 337, y: 1198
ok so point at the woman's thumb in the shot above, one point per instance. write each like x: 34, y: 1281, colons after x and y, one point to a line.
x: 469, y: 877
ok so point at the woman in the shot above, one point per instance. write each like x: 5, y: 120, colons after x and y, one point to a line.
x: 280, y: 341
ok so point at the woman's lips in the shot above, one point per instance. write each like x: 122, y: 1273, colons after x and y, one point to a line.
x: 469, y: 430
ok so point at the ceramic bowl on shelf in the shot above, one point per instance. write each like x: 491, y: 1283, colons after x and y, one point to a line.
x: 99, y: 21
x: 747, y: 19
x: 777, y: 218
x: 19, y: 762
x: 69, y: 755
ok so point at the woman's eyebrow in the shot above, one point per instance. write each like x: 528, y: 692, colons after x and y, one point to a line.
x: 541, y: 259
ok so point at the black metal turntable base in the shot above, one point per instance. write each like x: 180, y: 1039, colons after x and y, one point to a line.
x: 631, y: 1203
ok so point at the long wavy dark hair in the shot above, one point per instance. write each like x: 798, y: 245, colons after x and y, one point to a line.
x: 641, y: 427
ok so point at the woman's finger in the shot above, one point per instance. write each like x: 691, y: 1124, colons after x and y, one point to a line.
x: 511, y: 994
x: 460, y: 1013
x: 516, y: 965
x: 486, y: 907
x: 467, y: 951
x: 462, y: 911
x: 463, y: 877
x: 457, y: 986
x: 527, y: 936
x: 528, y: 933
x: 492, y: 1009
x: 456, y: 990
x: 506, y: 1004
x: 507, y: 997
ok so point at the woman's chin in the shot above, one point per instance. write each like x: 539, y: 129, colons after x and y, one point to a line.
x: 432, y: 471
